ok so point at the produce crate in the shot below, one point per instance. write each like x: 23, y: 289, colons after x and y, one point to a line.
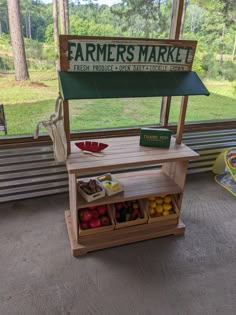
x: 101, y: 229
x: 169, y: 219
x: 142, y: 220
x: 113, y: 189
x: 94, y: 196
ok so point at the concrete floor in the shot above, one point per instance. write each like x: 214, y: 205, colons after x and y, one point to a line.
x: 194, y: 274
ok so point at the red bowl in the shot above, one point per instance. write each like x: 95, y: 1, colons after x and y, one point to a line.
x: 91, y: 146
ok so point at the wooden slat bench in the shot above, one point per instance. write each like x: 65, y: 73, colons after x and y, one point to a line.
x: 32, y: 171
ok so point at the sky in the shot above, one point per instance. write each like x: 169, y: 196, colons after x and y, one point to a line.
x: 108, y: 2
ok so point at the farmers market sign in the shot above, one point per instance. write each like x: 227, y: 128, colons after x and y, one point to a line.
x: 91, y: 54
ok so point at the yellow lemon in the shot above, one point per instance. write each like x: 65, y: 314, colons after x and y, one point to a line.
x: 165, y: 213
x: 159, y: 214
x: 167, y: 199
x: 159, y: 200
x: 159, y: 208
x: 152, y: 211
x: 152, y: 204
x: 167, y: 206
x: 151, y: 198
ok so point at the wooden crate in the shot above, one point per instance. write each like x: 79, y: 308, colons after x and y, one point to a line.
x: 100, y: 229
x: 111, y: 177
x: 138, y: 221
x: 170, y: 219
x: 90, y: 198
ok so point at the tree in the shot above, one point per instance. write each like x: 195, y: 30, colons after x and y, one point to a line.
x: 144, y: 17
x: 18, y: 47
x: 3, y: 17
x: 55, y: 30
x: 64, y: 16
x: 66, y: 8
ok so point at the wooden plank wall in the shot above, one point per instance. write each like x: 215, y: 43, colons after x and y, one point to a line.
x: 32, y: 172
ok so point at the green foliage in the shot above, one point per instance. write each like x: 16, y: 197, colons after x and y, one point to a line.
x: 89, y: 27
x: 212, y: 23
x: 144, y: 18
x: 228, y: 70
x: 234, y: 86
x: 28, y: 102
x: 39, y: 55
x: 49, y: 34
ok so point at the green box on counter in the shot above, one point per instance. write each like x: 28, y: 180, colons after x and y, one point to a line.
x: 151, y: 137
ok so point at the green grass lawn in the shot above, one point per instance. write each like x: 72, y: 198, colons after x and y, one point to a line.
x: 27, y: 103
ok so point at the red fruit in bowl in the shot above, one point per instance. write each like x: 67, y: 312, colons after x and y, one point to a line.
x: 95, y: 214
x: 84, y: 225
x: 102, y: 209
x: 85, y: 215
x: 104, y: 220
x: 94, y: 223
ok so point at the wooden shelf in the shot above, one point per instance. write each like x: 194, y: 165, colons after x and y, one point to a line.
x: 138, y: 185
x: 119, y: 237
x: 125, y: 152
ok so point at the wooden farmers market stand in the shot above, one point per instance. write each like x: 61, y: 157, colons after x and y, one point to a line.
x: 93, y: 68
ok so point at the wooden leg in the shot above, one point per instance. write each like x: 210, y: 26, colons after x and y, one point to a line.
x: 182, y: 115
x: 67, y: 124
x: 74, y: 203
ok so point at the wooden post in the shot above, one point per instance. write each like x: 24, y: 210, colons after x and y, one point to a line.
x: 176, y: 19
x: 182, y: 115
x: 175, y: 30
x: 74, y: 203
x: 165, y: 110
x: 67, y: 124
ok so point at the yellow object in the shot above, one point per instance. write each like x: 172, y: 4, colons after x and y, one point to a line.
x: 167, y: 206
x: 152, y: 211
x: 152, y: 204
x: 159, y: 201
x: 165, y: 213
x: 167, y: 199
x: 219, y: 165
x: 159, y: 208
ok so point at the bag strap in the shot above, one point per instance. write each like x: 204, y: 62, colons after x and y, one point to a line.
x: 58, y: 115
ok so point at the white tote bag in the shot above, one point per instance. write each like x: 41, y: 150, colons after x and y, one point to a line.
x: 55, y: 128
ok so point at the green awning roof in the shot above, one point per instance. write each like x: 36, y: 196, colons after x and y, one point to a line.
x: 95, y: 85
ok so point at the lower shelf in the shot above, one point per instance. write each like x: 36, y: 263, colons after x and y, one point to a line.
x: 118, y: 237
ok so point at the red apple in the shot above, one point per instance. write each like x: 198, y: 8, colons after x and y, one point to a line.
x: 102, y: 209
x: 117, y: 215
x: 84, y: 225
x: 135, y: 206
x: 94, y: 223
x: 85, y: 215
x: 95, y: 213
x: 105, y: 220
x: 135, y: 214
x: 92, y: 207
x: 119, y: 206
